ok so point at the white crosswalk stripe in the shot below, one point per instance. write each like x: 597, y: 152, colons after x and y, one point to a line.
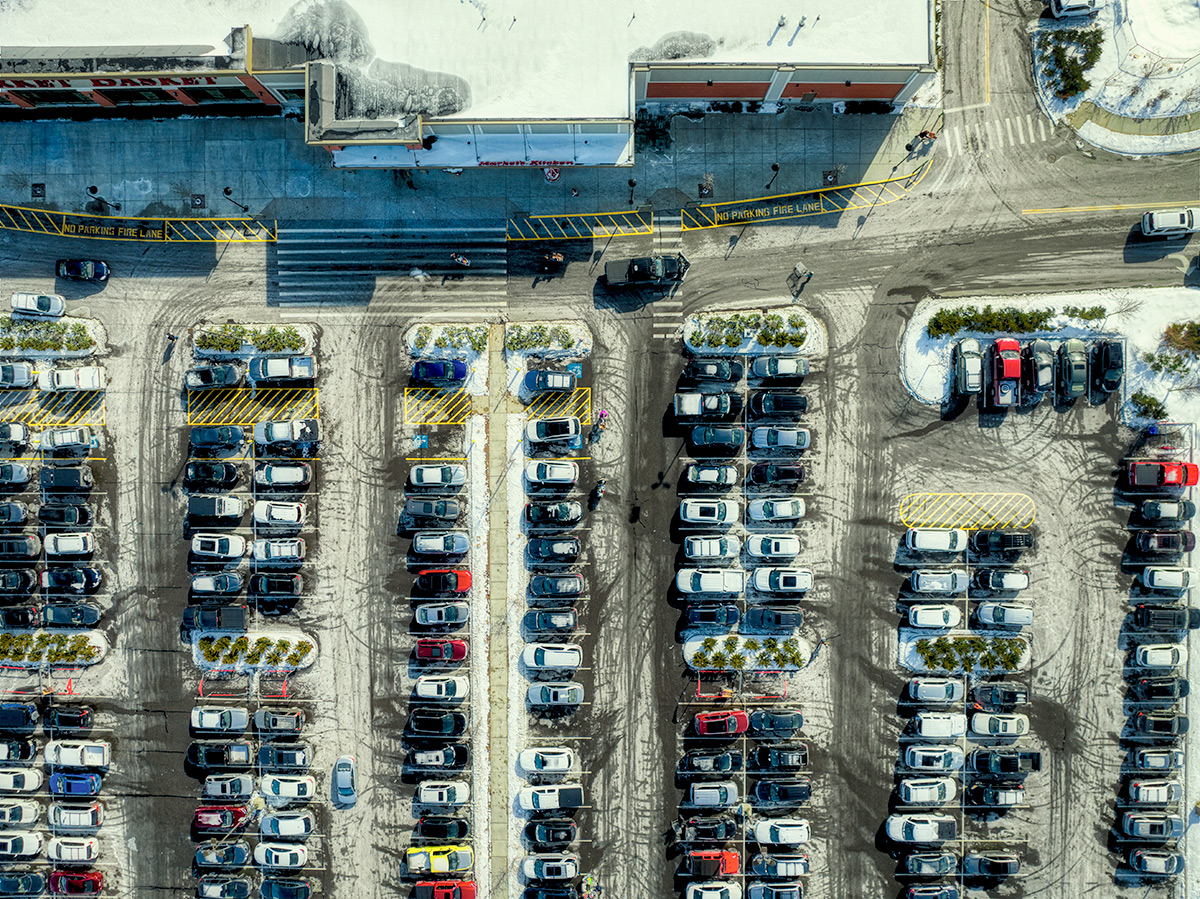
x: 391, y: 270
x: 991, y: 134
x: 667, y: 312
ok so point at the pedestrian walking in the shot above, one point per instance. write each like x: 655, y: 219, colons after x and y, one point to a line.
x: 460, y: 259
x: 574, y: 192
x: 927, y: 135
x: 172, y: 337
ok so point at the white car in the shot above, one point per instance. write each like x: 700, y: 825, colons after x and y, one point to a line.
x: 783, y: 547
x: 77, y: 754
x: 229, y: 786
x: 713, y: 889
x: 14, y: 844
x: 999, y: 725
x: 297, y: 825
x: 283, y: 474
x: 546, y: 760
x: 1170, y: 223
x: 38, y: 305
x: 936, y: 690
x: 67, y: 438
x: 74, y: 818
x: 1062, y: 9
x: 940, y: 725
x: 779, y: 367
x: 437, y: 475
x: 1005, y: 614
x: 80, y: 543
x: 280, y: 855
x: 782, y: 580
x: 73, y: 850
x: 17, y: 374
x: 22, y: 813
x: 441, y: 614
x: 553, y: 430
x: 722, y: 794
x: 289, y: 549
x: 927, y: 790
x: 560, y: 694
x: 288, y: 430
x: 921, y: 828
x: 711, y: 475
x: 72, y: 380
x: 936, y: 540
x: 938, y: 617
x: 13, y: 432
x: 444, y: 792
x: 1161, y: 655
x: 938, y: 580
x: 1159, y: 759
x: 219, y: 546
x: 702, y: 549
x: 550, y: 798
x: 781, y: 832
x: 282, y: 788
x: 780, y: 438
x: 1167, y: 579
x: 1155, y: 792
x: 710, y: 580
x: 441, y: 543
x: 272, y: 514
x: 550, y: 866
x: 921, y: 757
x: 552, y: 474
x: 776, y: 509
x: 442, y: 688
x: 552, y: 656
x: 709, y: 511
x: 20, y: 780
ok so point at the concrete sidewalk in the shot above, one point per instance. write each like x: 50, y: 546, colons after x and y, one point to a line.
x: 156, y: 168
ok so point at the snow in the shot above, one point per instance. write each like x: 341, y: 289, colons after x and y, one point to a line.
x: 477, y: 363
x: 518, y: 579
x: 493, y: 59
x: 1149, y: 68
x: 292, y: 635
x: 1140, y: 316
x: 816, y: 342
x: 582, y: 346
x: 909, y: 660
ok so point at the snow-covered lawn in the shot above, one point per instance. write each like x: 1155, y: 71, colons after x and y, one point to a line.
x: 1140, y: 316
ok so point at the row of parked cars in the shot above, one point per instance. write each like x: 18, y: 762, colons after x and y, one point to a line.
x: 551, y: 655
x: 1149, y: 821
x: 238, y: 773
x: 65, y: 523
x: 946, y: 712
x: 1023, y: 374
x: 440, y: 855
x: 75, y: 763
x: 743, y: 756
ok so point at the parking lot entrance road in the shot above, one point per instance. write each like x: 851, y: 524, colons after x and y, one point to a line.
x: 561, y: 405
x: 970, y: 511
x: 431, y: 406
x: 247, y: 406
x: 35, y: 407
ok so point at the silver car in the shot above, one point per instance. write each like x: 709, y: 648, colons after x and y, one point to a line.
x: 939, y: 580
x: 968, y: 366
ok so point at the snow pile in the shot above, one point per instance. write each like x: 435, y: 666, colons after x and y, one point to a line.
x: 793, y: 319
x: 1140, y: 316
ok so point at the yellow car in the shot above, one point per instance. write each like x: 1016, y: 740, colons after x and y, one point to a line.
x: 439, y: 859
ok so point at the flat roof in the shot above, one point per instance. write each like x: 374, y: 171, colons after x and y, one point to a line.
x: 520, y: 58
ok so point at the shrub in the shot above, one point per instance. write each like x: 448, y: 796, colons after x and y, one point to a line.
x: 298, y: 655
x: 227, y: 338
x: 1147, y: 406
x: 276, y: 340
x: 1167, y: 362
x: 1086, y: 313
x: 423, y: 334
x: 948, y: 322
x: 1183, y: 337
x: 718, y: 659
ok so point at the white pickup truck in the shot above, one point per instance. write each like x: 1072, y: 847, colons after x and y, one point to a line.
x: 283, y: 368
x: 77, y: 754
x: 700, y: 405
x: 72, y: 380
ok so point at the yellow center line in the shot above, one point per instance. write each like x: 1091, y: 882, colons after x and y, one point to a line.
x: 1115, y: 206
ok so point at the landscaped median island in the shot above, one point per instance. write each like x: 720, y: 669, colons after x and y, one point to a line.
x: 789, y: 330
x: 744, y: 652
x: 976, y: 653
x: 75, y: 337
x: 234, y: 340
x: 254, y: 652
x: 51, y: 649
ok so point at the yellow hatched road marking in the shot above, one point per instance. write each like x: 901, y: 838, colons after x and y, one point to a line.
x: 578, y: 402
x: 431, y: 406
x: 35, y: 407
x: 972, y: 511
x: 246, y: 406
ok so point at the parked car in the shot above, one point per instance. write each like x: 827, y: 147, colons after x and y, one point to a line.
x: 549, y: 834
x: 1165, y: 542
x: 1152, y: 827
x: 1161, y: 726
x: 555, y: 694
x: 541, y: 381
x: 782, y: 792
x: 1167, y: 510
x: 1159, y: 689
x: 71, y: 614
x: 442, y: 582
x: 933, y: 758
x: 283, y: 475
x: 432, y: 649
x: 782, y: 580
x: 1158, y: 759
x: 927, y: 790
x: 1110, y: 364
x: 936, y: 540
x: 936, y: 690
x: 712, y: 370
x: 1161, y: 655
x: 938, y: 617
x: 768, y: 619
x: 780, y: 438
x: 276, y: 723
x: 13, y: 433
x: 424, y: 722
x: 286, y: 550
x: 939, y: 580
x: 939, y: 725
x: 1005, y: 614
x: 17, y: 375
x: 772, y: 367
x: 711, y: 512
x: 556, y: 586
x: 773, y: 510
x: 702, y: 549
x: 439, y: 371
x: 442, y: 614
x: 553, y: 515
x: 14, y: 474
x: 1169, y: 619
x: 220, y: 719
x: 784, y: 546
x: 206, y: 377
x: 70, y: 544
x: 82, y: 269
x: 770, y: 474
x: 1005, y: 541
x: 38, y: 305
x: 1168, y: 579
x: 990, y: 865
x: 775, y: 724
x: 219, y: 546
x: 1001, y: 579
x: 1155, y: 792
x: 704, y: 475
x: 1001, y: 694
x: 277, y: 369
x: 1072, y: 368
x: 554, y: 549
x: 1156, y: 863
x: 551, y: 474
x: 921, y: 828
x: 722, y: 794
x: 968, y: 366
x: 215, y: 474
x: 710, y: 580
x: 773, y: 404
x: 552, y: 656
x: 553, y: 430
x: 553, y: 621
x: 706, y: 762
x: 275, y: 585
x: 719, y: 437
x: 722, y: 723
x: 208, y: 437
x: 998, y: 724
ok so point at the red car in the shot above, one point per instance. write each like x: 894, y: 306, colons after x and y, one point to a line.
x: 443, y: 580
x: 717, y: 724
x: 432, y: 649
x: 219, y: 818
x: 1148, y: 473
x: 713, y: 862
x: 1006, y: 372
x: 76, y: 883
x: 447, y: 889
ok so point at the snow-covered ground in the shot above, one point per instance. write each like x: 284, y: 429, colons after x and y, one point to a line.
x: 1149, y: 68
x: 477, y: 361
x: 1138, y: 315
x: 816, y: 341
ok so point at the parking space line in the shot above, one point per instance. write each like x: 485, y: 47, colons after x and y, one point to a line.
x: 971, y: 511
x: 248, y: 405
x: 433, y: 406
x: 577, y: 402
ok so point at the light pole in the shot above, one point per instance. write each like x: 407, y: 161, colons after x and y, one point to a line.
x: 775, y: 169
x: 228, y: 193
x: 632, y: 185
x: 93, y: 193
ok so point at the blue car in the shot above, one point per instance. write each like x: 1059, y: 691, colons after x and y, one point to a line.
x: 82, y: 269
x: 75, y: 784
x: 440, y: 370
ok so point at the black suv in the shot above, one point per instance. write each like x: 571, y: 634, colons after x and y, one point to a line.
x: 218, y: 437
x: 442, y: 827
x: 773, y: 619
x: 216, y: 474
x: 783, y: 792
x: 1166, y: 618
x: 66, y: 516
x: 1110, y: 364
x: 779, y: 404
x: 1002, y: 695
x: 21, y: 717
x: 1159, y: 689
x: 1002, y: 540
x: 768, y: 474
x: 780, y: 758
x: 434, y: 723
x: 64, y: 480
